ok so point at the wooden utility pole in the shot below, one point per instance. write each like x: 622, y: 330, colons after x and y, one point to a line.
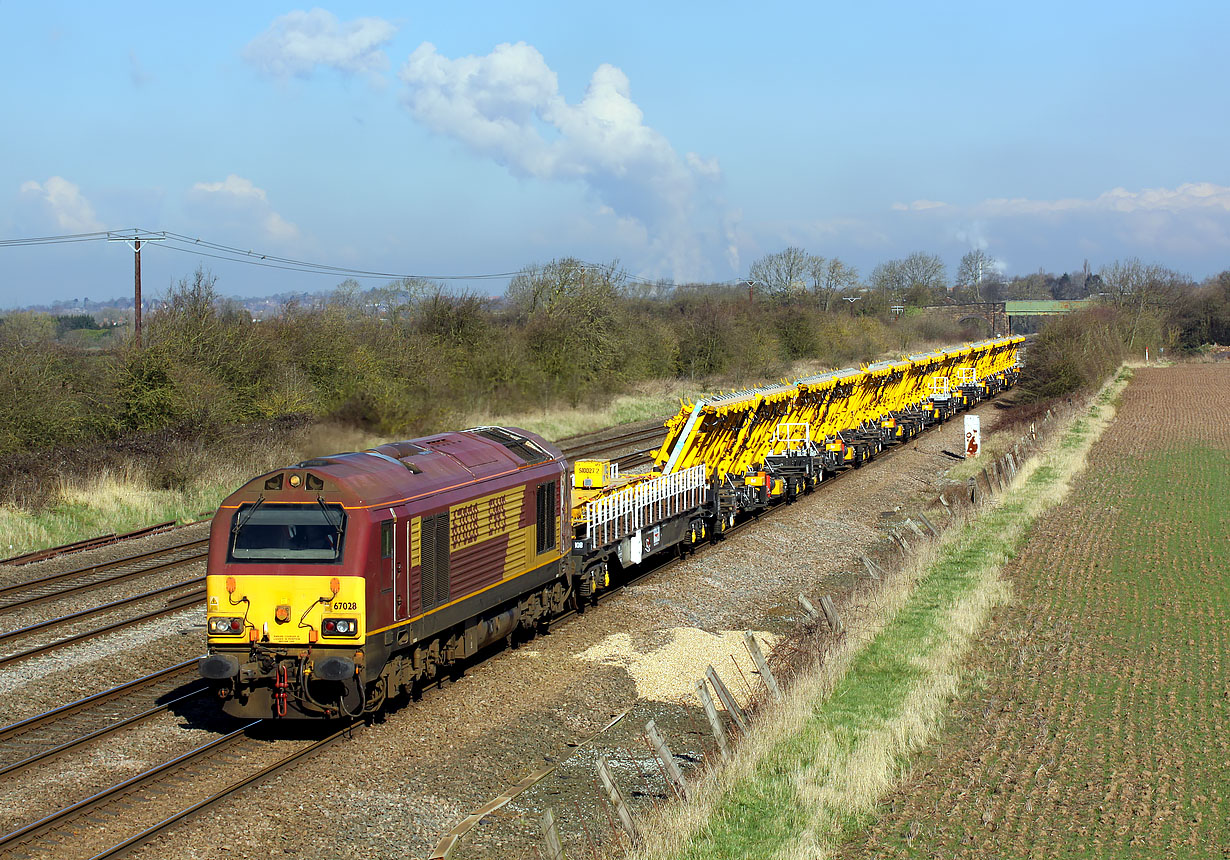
x: 136, y: 290
x: 134, y: 242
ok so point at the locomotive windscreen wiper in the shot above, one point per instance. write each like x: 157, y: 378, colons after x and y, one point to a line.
x: 337, y: 527
x: 242, y: 521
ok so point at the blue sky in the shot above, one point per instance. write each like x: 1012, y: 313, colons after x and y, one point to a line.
x: 685, y: 139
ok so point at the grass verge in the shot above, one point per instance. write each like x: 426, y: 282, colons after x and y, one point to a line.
x: 816, y: 765
x: 134, y: 490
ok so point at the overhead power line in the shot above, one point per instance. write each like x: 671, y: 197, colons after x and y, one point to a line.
x: 218, y: 251
x: 55, y: 240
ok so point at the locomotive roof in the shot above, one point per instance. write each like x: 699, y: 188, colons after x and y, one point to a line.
x: 400, y: 471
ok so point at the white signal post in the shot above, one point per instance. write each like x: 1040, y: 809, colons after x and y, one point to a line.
x: 973, y: 436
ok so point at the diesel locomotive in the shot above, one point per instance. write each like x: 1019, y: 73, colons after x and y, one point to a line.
x: 342, y: 579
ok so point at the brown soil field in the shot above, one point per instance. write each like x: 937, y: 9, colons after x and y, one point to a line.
x: 1096, y: 717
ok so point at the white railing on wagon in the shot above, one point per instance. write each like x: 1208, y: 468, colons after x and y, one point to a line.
x: 642, y: 505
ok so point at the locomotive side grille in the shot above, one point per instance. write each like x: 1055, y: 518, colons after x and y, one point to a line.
x: 442, y: 579
x: 546, y: 517
x: 433, y: 575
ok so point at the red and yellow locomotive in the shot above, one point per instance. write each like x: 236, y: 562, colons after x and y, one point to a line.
x: 342, y: 580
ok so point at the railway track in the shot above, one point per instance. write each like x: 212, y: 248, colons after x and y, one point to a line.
x: 57, y: 586
x: 648, y: 439
x: 128, y: 813
x: 88, y: 543
x: 61, y: 631
x: 171, y: 605
x: 40, y: 738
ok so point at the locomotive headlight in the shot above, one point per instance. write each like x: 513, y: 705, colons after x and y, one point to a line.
x: 339, y: 627
x: 225, y: 626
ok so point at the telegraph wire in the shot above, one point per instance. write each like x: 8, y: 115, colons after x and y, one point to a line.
x: 229, y: 253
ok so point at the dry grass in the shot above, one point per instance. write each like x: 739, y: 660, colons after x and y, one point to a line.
x: 816, y: 765
x: 128, y: 495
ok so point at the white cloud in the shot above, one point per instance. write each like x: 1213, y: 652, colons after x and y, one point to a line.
x: 65, y: 203
x: 297, y: 42
x: 1189, y: 221
x: 507, y: 106
x: 242, y: 203
x: 1188, y: 197
x: 919, y: 206
x: 233, y: 186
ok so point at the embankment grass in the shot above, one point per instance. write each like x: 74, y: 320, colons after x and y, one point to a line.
x: 816, y: 765
x: 134, y: 491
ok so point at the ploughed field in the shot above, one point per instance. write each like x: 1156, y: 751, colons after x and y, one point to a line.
x: 1096, y: 719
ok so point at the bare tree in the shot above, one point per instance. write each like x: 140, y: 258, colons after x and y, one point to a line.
x: 1140, y: 287
x: 926, y: 270
x: 888, y: 277
x: 976, y: 268
x: 831, y: 278
x: 784, y: 273
x: 916, y: 280
x: 545, y: 287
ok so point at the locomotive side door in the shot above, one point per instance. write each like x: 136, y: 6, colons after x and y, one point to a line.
x: 395, y: 564
x: 401, y: 570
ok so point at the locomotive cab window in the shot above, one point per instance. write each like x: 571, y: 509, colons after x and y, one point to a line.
x: 386, y: 539
x: 287, y: 533
x: 546, y: 517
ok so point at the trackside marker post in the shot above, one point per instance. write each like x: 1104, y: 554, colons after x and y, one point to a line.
x: 673, y: 775
x: 873, y: 569
x: 973, y: 435
x: 715, y: 723
x: 805, y: 604
x: 728, y: 701
x: 550, y: 836
x: 617, y: 800
x: 753, y: 648
x: 830, y: 613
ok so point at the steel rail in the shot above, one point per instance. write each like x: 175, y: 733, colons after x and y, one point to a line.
x: 98, y: 698
x: 95, y: 610
x: 268, y: 770
x: 87, y: 543
x: 143, y: 716
x: 614, y: 443
x: 106, y: 565
x: 99, y: 631
x: 47, y: 822
x: 99, y: 583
